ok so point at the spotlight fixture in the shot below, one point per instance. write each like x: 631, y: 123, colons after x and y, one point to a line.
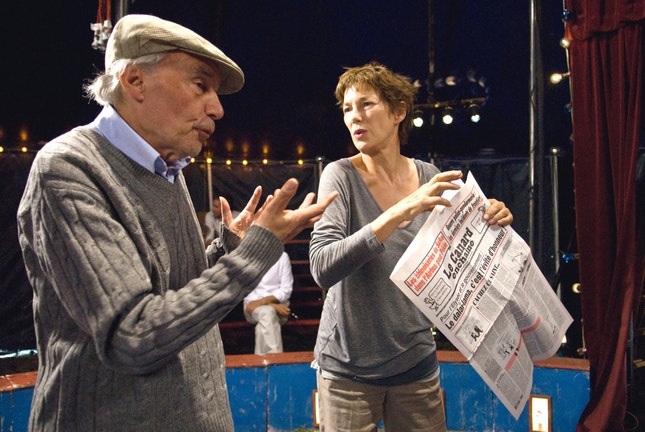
x: 540, y: 414
x: 557, y: 77
x: 101, y: 34
x: 566, y: 15
x: 452, y: 80
x: 455, y: 98
x: 447, y: 116
x: 417, y: 120
x: 473, y: 113
x: 565, y: 43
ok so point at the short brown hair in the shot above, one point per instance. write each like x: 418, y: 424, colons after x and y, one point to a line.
x: 393, y: 88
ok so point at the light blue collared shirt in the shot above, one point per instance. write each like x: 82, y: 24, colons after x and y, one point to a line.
x: 110, y: 124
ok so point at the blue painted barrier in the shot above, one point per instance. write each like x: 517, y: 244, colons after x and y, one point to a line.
x: 275, y: 393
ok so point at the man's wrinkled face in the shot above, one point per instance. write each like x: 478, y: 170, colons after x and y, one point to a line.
x: 181, y: 105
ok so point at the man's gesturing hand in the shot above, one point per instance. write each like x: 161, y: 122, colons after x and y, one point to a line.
x: 286, y: 224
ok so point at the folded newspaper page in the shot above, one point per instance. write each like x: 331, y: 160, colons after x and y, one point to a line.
x: 480, y: 287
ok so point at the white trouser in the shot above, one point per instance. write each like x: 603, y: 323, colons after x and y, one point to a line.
x: 268, y: 336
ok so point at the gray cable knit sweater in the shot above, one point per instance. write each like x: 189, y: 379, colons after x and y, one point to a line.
x: 125, y: 305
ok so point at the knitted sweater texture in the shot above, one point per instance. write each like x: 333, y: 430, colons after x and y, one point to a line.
x: 125, y: 305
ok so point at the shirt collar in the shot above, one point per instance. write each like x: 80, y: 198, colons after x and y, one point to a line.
x: 110, y: 124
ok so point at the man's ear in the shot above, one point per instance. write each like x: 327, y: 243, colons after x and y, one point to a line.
x: 132, y: 82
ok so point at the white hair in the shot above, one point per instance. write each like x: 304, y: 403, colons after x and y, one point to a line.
x: 105, y: 88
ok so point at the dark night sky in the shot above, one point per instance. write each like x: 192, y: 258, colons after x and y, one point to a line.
x: 292, y: 53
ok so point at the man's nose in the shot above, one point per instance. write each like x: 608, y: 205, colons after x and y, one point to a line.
x: 214, y: 108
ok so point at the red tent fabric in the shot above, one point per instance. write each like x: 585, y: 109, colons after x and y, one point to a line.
x: 607, y: 72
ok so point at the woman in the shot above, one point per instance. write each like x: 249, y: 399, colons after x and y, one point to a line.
x: 375, y: 354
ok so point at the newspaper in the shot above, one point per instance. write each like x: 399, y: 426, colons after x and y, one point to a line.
x: 480, y: 287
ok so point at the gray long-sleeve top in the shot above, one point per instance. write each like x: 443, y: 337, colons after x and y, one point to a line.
x: 125, y: 306
x: 369, y: 330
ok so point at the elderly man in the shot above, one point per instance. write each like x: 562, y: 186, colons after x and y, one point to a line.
x: 126, y: 300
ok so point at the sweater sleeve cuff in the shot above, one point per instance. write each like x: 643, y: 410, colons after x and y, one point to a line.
x: 259, y: 247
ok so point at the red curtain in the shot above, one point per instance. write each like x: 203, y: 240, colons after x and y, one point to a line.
x: 607, y: 70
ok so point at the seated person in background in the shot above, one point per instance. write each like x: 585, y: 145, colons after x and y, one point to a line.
x: 213, y: 220
x: 267, y: 306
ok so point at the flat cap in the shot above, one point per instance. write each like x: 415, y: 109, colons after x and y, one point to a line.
x: 137, y: 35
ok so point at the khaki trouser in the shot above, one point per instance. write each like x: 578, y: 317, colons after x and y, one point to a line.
x: 348, y: 406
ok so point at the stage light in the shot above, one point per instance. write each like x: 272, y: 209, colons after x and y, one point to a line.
x: 557, y: 77
x: 540, y: 413
x: 101, y: 32
x: 566, y: 15
x: 23, y: 134
x: 565, y: 43
x: 473, y: 113
x: 446, y: 116
x: 452, y: 80
x: 417, y: 121
x: 316, y: 404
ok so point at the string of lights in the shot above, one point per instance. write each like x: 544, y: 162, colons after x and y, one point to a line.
x: 19, y: 149
x: 24, y: 143
x: 565, y: 43
x: 556, y: 78
x: 256, y: 162
x: 33, y: 149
